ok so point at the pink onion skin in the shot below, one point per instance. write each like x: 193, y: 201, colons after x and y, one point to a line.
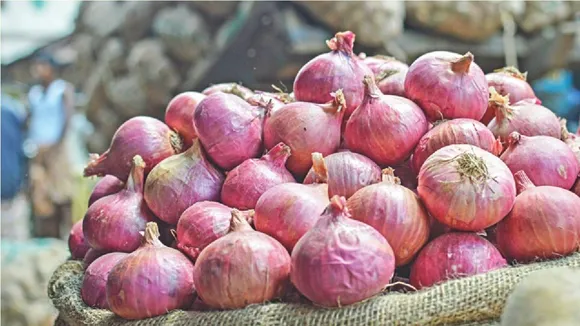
x: 329, y: 72
x: 229, y: 88
x: 179, y: 115
x: 454, y: 255
x: 547, y: 161
x: 451, y: 132
x: 229, y: 129
x: 332, y: 263
x: 77, y: 245
x: 151, y: 281
x: 113, y: 222
x: 92, y: 255
x: 203, y: 223
x: 108, y: 185
x: 94, y: 287
x: 544, y: 223
x: 287, y: 211
x: 407, y: 175
x: 144, y: 136
x: 306, y: 128
x: 393, y: 84
x: 396, y: 212
x: 576, y: 187
x: 180, y: 181
x: 242, y: 268
x: 384, y: 128
x: 458, y: 193
x: 389, y: 74
x: 572, y: 140
x: 447, y: 85
x: 248, y: 181
x: 273, y: 101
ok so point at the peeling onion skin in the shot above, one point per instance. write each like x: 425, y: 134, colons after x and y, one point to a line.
x: 547, y: 161
x: 242, y: 268
x: 179, y: 115
x: 94, y: 287
x: 572, y: 140
x: 107, y: 185
x: 544, y: 223
x: 396, y: 212
x: 77, y: 244
x: 457, y: 192
x: 454, y: 255
x: 180, y: 181
x: 332, y: 263
x: 229, y: 88
x: 447, y: 85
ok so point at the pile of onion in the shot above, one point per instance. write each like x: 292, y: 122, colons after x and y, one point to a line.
x: 358, y: 262
x: 242, y: 268
x: 229, y: 88
x: 107, y: 185
x: 572, y: 140
x: 92, y: 255
x: 179, y: 115
x: 77, y: 245
x: 466, y: 188
x: 544, y: 223
x: 389, y: 74
x: 94, y: 287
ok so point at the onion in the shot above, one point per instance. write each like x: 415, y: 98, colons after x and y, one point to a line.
x: 547, y: 161
x: 229, y: 88
x: 341, y: 261
x: 466, y: 188
x: 92, y: 255
x: 180, y: 181
x: 525, y: 117
x: 389, y: 74
x: 94, y: 287
x: 76, y: 241
x: 151, y: 281
x: 113, y: 222
x: 242, y: 268
x: 396, y: 213
x: 385, y: 128
x: 450, y: 132
x: 271, y: 102
x: 447, y: 85
x: 572, y: 140
x: 306, y: 128
x: 229, y: 129
x: 407, y: 175
x: 287, y: 211
x: 329, y: 72
x: 179, y: 115
x: 144, y: 136
x: 344, y: 172
x: 544, y: 223
x: 454, y: 255
x: 203, y: 223
x: 108, y: 185
x: 576, y: 188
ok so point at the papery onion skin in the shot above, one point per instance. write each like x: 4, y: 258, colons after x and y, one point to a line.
x: 286, y: 212
x: 144, y: 136
x: 180, y: 181
x: 77, y: 244
x: 454, y: 255
x: 151, y: 281
x: 94, y: 287
x: 389, y: 74
x: 242, y: 268
x: 107, y: 185
x: 547, y: 161
x: 179, y: 115
x: 544, y: 223
x: 396, y: 212
x: 229, y: 88
x: 466, y: 188
x: 332, y: 263
x: 572, y: 140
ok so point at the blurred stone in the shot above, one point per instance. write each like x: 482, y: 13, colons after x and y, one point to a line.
x: 148, y: 60
x: 137, y: 19
x: 112, y: 55
x: 216, y: 9
x: 127, y: 94
x: 540, y: 14
x: 103, y: 18
x: 81, y: 47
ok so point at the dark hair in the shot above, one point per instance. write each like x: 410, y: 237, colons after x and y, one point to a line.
x: 46, y: 57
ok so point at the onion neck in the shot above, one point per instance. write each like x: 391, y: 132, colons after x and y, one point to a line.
x: 513, y: 71
x: 371, y: 88
x: 386, y: 74
x: 235, y: 90
x: 278, y: 154
x: 319, y: 167
x: 461, y: 65
x: 497, y: 147
x: 514, y: 138
x: 337, y: 208
x: 389, y: 177
x: 176, y: 142
x: 151, y: 234
x: 523, y: 182
x: 500, y: 104
x: 194, y: 151
x: 239, y: 222
x: 343, y: 42
x: 471, y: 166
x: 337, y: 105
x: 564, y: 133
x: 136, y: 178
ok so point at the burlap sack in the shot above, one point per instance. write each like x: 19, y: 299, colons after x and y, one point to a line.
x: 476, y: 300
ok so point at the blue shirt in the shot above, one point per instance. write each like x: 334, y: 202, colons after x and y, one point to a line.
x: 47, y: 113
x: 13, y: 160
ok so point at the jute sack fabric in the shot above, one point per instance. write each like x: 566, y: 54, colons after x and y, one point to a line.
x: 476, y: 300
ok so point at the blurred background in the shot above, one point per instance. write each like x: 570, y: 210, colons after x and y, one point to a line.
x: 104, y: 62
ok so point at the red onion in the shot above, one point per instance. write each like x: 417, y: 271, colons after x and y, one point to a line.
x: 447, y: 85
x: 180, y: 181
x: 396, y: 213
x: 547, y: 161
x: 306, y: 128
x: 544, y: 223
x: 341, y: 261
x: 572, y: 140
x: 229, y: 88
x: 151, y: 281
x: 454, y: 255
x: 76, y: 241
x: 286, y: 212
x: 329, y: 72
x: 229, y: 129
x: 94, y: 287
x: 271, y: 102
x: 113, y: 222
x: 344, y: 172
x: 466, y: 188
x: 525, y: 117
x: 108, y: 185
x: 385, y: 128
x: 407, y: 175
x: 242, y: 268
x: 576, y: 187
x: 248, y: 181
x: 179, y: 115
x: 144, y: 136
x: 457, y: 131
x: 203, y: 223
x: 389, y: 74
x: 92, y: 255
